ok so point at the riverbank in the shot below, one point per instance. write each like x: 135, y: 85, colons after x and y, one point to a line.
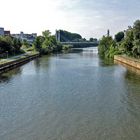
x: 128, y: 60
x: 10, y: 63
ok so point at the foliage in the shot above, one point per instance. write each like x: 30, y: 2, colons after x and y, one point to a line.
x: 68, y: 36
x: 17, y: 44
x: 92, y: 39
x: 131, y: 43
x: 84, y: 40
x: 66, y: 47
x: 9, y: 45
x: 26, y: 43
x: 30, y: 49
x: 119, y: 36
x: 127, y: 42
x: 38, y: 43
x: 47, y: 43
x: 107, y: 45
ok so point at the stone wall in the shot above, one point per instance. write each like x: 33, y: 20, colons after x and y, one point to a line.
x: 128, y: 60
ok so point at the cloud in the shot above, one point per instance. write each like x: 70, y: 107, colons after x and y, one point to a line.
x: 90, y: 18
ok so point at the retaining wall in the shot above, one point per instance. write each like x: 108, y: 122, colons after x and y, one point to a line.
x: 128, y: 60
x: 15, y: 63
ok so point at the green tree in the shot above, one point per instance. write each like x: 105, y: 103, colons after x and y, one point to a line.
x: 5, y: 44
x: 84, y: 39
x: 136, y: 33
x: 91, y: 39
x: 136, y: 48
x: 68, y: 36
x: 26, y: 43
x: 38, y: 43
x: 46, y: 34
x: 127, y: 43
x: 136, y: 29
x: 119, y: 36
x: 16, y: 43
x: 107, y: 46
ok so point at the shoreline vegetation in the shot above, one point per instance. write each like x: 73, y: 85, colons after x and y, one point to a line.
x: 125, y: 42
x: 44, y: 44
x: 12, y: 49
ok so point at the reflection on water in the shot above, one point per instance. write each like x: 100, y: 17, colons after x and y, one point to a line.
x: 74, y: 96
x: 129, y: 68
x: 44, y: 63
x: 132, y: 76
x: 5, y: 77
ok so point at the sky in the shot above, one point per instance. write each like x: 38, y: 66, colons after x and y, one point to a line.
x: 90, y: 18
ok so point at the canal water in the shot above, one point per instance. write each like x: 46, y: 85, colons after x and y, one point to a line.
x: 72, y: 96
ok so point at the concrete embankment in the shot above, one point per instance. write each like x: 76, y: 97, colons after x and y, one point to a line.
x: 13, y: 63
x: 128, y: 60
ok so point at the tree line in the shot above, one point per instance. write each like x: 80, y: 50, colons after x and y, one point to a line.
x: 9, y: 45
x: 46, y: 43
x: 125, y: 42
x: 68, y: 36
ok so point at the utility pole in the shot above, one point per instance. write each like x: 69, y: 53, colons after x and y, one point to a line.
x: 7, y: 54
x: 108, y: 33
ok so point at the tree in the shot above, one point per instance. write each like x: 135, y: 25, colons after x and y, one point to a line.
x: 119, y: 36
x: 107, y: 46
x: 16, y: 45
x: 38, y: 43
x: 26, y: 43
x: 91, y: 39
x: 84, y: 39
x: 136, y: 32
x: 136, y: 48
x: 68, y: 36
x: 46, y: 33
x: 5, y: 44
x: 127, y: 43
x: 47, y: 43
x: 136, y: 29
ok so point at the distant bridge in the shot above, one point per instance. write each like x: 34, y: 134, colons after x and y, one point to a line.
x: 79, y: 44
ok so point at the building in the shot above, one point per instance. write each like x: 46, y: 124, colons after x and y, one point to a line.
x: 28, y: 37
x: 1, y: 31
x: 7, y: 33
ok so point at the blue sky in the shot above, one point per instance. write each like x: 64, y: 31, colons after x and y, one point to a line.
x: 90, y: 18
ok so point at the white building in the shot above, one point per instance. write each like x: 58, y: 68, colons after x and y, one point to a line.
x: 28, y: 37
x: 1, y: 31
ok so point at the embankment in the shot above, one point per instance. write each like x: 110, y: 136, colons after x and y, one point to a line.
x: 128, y: 60
x: 13, y: 63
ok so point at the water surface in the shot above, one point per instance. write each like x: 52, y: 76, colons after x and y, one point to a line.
x: 74, y: 96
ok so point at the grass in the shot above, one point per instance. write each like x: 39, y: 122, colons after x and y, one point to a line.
x: 10, y: 59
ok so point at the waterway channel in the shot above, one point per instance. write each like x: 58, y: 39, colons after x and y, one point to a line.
x: 70, y: 96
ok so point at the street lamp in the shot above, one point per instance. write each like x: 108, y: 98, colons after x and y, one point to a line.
x: 14, y: 51
x: 7, y: 53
